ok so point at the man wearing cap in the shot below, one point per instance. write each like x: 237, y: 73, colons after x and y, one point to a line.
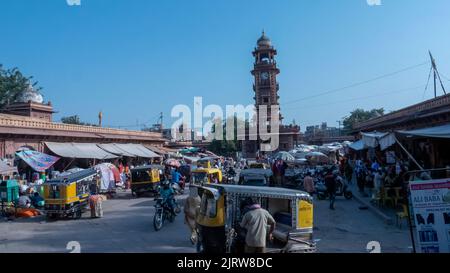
x: 255, y: 221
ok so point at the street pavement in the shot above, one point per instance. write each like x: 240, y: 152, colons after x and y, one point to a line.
x: 348, y: 229
x: 127, y: 227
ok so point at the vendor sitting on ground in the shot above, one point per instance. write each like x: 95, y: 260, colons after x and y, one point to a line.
x: 37, y: 201
x: 24, y: 201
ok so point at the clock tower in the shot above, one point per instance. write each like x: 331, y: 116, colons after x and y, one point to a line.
x: 265, y: 73
x: 265, y: 87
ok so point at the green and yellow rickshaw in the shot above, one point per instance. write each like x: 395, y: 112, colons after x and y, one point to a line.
x: 202, y: 176
x: 146, y: 179
x: 68, y: 195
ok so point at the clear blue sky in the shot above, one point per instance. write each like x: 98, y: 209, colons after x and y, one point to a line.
x: 134, y: 59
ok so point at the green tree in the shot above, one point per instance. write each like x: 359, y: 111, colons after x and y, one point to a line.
x: 72, y: 120
x: 75, y: 119
x: 360, y: 115
x: 12, y: 84
x: 228, y: 147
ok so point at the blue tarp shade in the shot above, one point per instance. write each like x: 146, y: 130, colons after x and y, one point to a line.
x: 436, y: 132
x: 38, y: 161
x: 357, y: 146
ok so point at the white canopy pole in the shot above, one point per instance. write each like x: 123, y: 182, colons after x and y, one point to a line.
x: 409, y: 155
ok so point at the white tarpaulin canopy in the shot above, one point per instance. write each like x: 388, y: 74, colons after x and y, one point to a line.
x: 437, y: 132
x: 79, y: 150
x: 374, y: 139
x: 136, y: 150
x: 6, y: 169
x: 114, y: 149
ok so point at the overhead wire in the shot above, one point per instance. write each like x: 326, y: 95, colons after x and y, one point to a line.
x: 358, y: 83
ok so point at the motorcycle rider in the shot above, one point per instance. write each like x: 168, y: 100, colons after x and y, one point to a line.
x: 231, y: 173
x: 168, y: 195
x: 177, y: 178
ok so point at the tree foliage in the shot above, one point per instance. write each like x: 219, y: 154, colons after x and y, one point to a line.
x: 75, y: 120
x: 360, y: 115
x: 12, y: 84
x: 227, y: 146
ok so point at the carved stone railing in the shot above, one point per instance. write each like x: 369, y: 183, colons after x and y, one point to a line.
x: 24, y: 122
x: 408, y: 111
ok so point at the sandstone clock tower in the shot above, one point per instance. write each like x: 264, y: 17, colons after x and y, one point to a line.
x: 265, y: 73
x: 266, y: 87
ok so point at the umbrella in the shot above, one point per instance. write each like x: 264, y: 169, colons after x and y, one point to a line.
x: 284, y: 156
x: 317, y: 157
x: 172, y: 162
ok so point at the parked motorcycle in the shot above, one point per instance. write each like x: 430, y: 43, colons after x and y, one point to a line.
x: 341, y: 190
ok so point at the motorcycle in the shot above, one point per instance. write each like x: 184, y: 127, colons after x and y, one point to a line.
x: 163, y: 212
x: 341, y: 190
x: 178, y: 188
x: 230, y: 176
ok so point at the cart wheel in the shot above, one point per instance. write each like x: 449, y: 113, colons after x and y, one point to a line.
x: 78, y: 214
x: 51, y: 216
x: 348, y: 195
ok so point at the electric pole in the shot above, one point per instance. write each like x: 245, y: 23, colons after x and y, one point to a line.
x: 161, y: 122
x: 340, y: 122
x: 436, y: 76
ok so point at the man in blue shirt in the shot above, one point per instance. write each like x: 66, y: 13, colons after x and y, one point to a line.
x: 176, y: 176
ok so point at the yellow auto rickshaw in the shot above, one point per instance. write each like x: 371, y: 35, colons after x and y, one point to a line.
x: 206, y: 176
x: 68, y: 195
x: 146, y: 179
x: 206, y: 162
x: 220, y: 214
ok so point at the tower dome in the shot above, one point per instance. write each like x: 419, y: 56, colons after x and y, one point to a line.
x: 264, y: 41
x: 30, y: 94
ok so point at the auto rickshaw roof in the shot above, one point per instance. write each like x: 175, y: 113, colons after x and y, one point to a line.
x: 148, y: 167
x: 70, y: 178
x: 256, y: 171
x: 258, y: 191
x: 206, y: 170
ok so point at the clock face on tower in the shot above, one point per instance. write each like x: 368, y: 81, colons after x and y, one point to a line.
x: 264, y: 75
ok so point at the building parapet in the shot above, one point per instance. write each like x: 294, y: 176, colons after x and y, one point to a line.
x: 439, y: 102
x: 26, y: 122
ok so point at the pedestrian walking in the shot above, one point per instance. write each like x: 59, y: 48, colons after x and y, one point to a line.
x: 308, y: 184
x: 348, y: 171
x: 330, y: 183
x: 191, y: 208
